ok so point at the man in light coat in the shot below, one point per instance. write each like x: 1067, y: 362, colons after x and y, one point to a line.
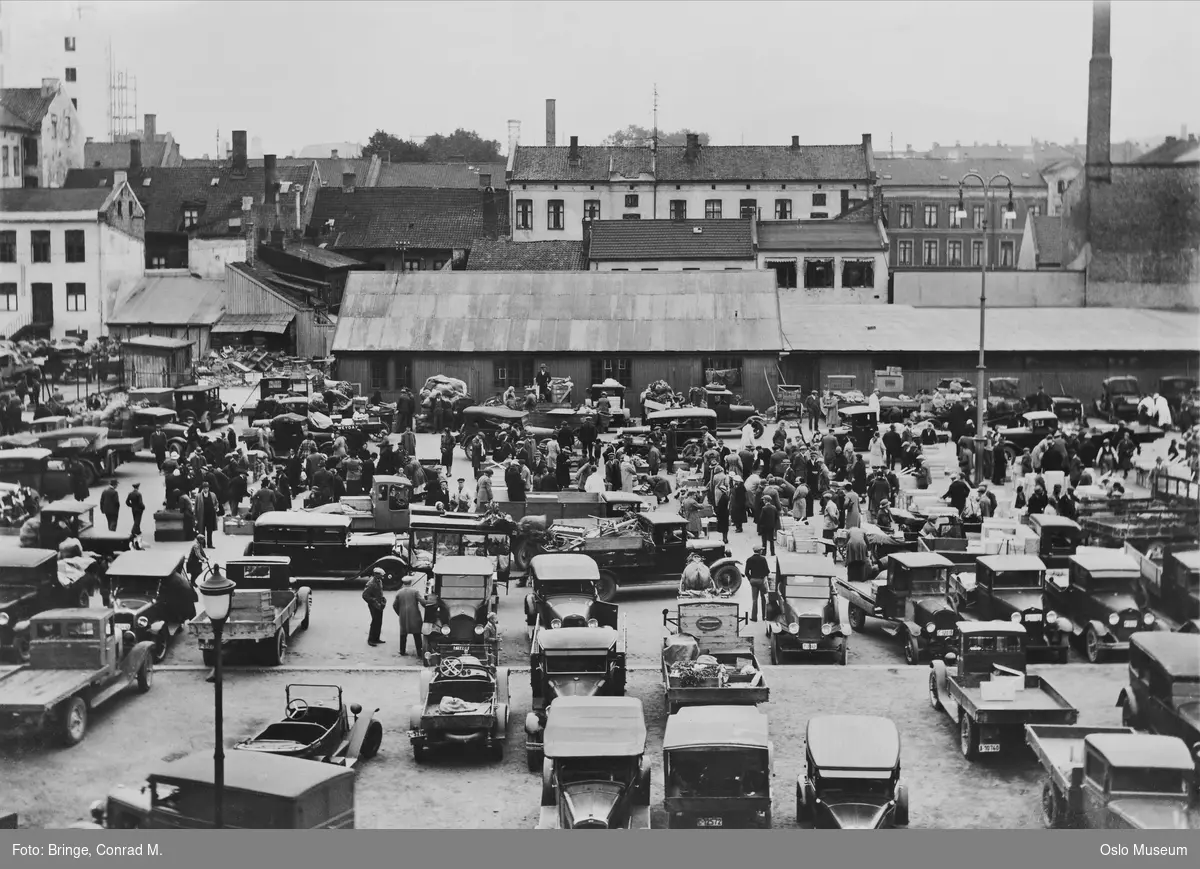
x: 483, y: 491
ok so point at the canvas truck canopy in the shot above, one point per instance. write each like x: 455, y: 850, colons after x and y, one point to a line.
x: 254, y: 772
x: 296, y: 519
x: 593, y: 727
x: 576, y: 568
x: 577, y: 639
x: 920, y: 559
x: 713, y: 726
x: 148, y: 564
x: 1011, y: 563
x: 1107, y: 561
x: 853, y: 742
x: 793, y: 564
x: 992, y: 628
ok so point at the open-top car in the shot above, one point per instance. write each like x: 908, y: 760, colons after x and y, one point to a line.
x: 1032, y: 429
x: 465, y: 589
x: 318, y: 725
x: 595, y: 776
x: 802, y: 609
x: 1163, y: 695
x: 852, y: 774
x: 1119, y: 400
x: 151, y: 596
x: 464, y: 701
x: 201, y: 405
x: 717, y: 766
x: 564, y: 593
x: 492, y: 423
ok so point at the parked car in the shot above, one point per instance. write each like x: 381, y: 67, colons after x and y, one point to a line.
x: 1170, y: 584
x: 595, y: 776
x: 318, y: 725
x: 464, y: 701
x: 1163, y: 694
x: 691, y: 425
x: 1119, y: 400
x: 563, y: 593
x: 465, y: 589
x: 717, y: 767
x: 319, y: 545
x: 1101, y: 602
x: 492, y: 422
x: 33, y: 581
x: 852, y: 774
x: 201, y: 405
x: 729, y: 410
x: 1175, y: 390
x: 1004, y: 401
x: 145, y: 585
x: 803, y: 605
x: 37, y: 468
x: 77, y: 519
x: 1032, y: 430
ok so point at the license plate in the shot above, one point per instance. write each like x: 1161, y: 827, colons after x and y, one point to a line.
x: 710, y: 822
x: 945, y: 633
x: 989, y: 748
x: 461, y: 648
x: 1131, y: 623
x: 1036, y: 617
x: 808, y: 646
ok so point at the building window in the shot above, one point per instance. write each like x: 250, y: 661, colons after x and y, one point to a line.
x: 191, y: 216
x: 905, y: 253
x: 818, y: 200
x: 438, y: 264
x: 1035, y: 211
x: 954, y: 252
x: 74, y: 103
x: 413, y: 265
x: 679, y: 209
x: 748, y: 208
x: 76, y: 297
x: 8, y: 246
x: 8, y: 297
x: 70, y: 73
x: 906, y: 212
x: 68, y: 43
x: 952, y: 219
x: 16, y: 155
x: 818, y: 215
x: 591, y: 209
x: 379, y: 373
x: 783, y: 209
x: 977, y: 253
x: 4, y: 151
x: 121, y: 209
x: 76, y: 252
x: 554, y: 214
x: 858, y: 274
x: 977, y: 214
x: 514, y: 372
x: 1007, y: 222
x: 785, y: 273
x: 723, y: 369
x: 631, y: 217
x: 631, y: 200
x: 618, y: 368
x: 1006, y: 254
x: 818, y: 274
x: 1062, y: 187
x: 524, y: 214
x: 929, y: 252
x: 931, y: 216
x: 712, y: 209
x: 41, y: 245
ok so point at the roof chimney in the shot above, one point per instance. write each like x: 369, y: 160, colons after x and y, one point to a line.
x: 333, y: 154
x: 49, y: 87
x: 550, y: 134
x: 277, y: 238
x: 120, y: 177
x: 269, y: 178
x: 151, y: 128
x: 239, y: 152
x: 693, y: 147
x: 795, y: 141
x: 1099, y: 122
x: 485, y: 179
x: 348, y: 179
x: 491, y: 217
x: 573, y: 154
x: 135, y: 155
x: 514, y: 135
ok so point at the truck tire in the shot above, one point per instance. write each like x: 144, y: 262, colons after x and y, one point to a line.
x: 912, y: 651
x: 74, y: 719
x: 1096, y: 653
x: 1129, y: 716
x: 307, y: 612
x: 968, y: 733
x: 934, y: 700
x: 606, y: 587
x: 1055, y: 814
x: 841, y: 655
x: 523, y: 553
x: 858, y: 617
x: 728, y: 578
x: 900, y: 818
x: 21, y: 648
x: 533, y: 759
x: 276, y: 649
x: 145, y: 676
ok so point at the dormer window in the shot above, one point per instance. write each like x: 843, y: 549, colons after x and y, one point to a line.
x: 191, y: 216
x: 145, y: 182
x: 103, y: 182
x: 214, y: 182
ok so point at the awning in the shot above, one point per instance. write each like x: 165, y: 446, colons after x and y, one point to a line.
x: 275, y: 324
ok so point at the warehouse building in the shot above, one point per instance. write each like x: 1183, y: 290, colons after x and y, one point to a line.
x: 493, y: 330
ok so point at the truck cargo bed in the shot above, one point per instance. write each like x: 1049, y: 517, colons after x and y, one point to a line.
x: 1038, y: 703
x: 1059, y: 748
x: 29, y: 690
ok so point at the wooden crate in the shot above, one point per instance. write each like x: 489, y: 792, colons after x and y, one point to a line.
x: 254, y: 603
x: 168, y: 526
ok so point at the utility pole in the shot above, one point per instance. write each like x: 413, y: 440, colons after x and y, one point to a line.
x: 654, y: 156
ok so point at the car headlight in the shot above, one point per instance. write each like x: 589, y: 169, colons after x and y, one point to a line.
x: 556, y: 623
x: 1148, y: 619
x: 930, y: 628
x: 143, y: 622
x: 1016, y: 617
x: 3, y: 618
x: 1052, y: 617
x: 826, y: 629
x: 479, y: 630
x: 592, y: 623
x: 445, y: 630
x: 1113, y: 618
x: 794, y: 628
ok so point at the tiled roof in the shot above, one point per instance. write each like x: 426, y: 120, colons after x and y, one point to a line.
x: 712, y: 163
x: 1172, y: 151
x: 1047, y: 240
x: 901, y: 328
x: 45, y: 199
x: 461, y: 175
x: 170, y: 189
x: 579, y: 312
x: 671, y: 240
x: 28, y: 104
x: 384, y: 217
x: 332, y: 170
x: 173, y: 300
x: 115, y: 155
x: 503, y: 255
x: 930, y: 172
x: 818, y: 235
x: 10, y: 120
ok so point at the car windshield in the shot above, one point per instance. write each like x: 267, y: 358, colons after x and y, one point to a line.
x: 1112, y: 583
x: 1148, y: 781
x: 1178, y: 384
x: 718, y: 772
x: 457, y: 589
x: 1016, y: 579
x: 1123, y: 387
x: 564, y: 586
x: 838, y: 789
x: 807, y: 591
x: 580, y: 662
x: 1008, y: 644
x: 1185, y: 691
x: 583, y: 769
x: 928, y: 586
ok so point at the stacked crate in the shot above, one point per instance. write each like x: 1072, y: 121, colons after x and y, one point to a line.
x: 251, y: 605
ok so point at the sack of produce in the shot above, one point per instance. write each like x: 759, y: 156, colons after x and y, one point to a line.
x: 681, y: 649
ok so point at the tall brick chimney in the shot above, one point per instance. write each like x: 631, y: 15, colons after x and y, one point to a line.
x: 135, y: 155
x: 693, y: 147
x: 150, y: 130
x: 514, y: 135
x: 1099, y: 119
x: 551, y: 136
x: 239, y: 152
x: 271, y: 187
x: 573, y: 158
x: 348, y: 179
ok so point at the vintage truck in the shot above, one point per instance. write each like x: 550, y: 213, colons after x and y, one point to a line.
x: 319, y: 545
x: 989, y: 693
x: 266, y: 610
x: 78, y: 661
x: 1111, y: 778
x: 464, y: 701
x: 34, y: 580
x: 1170, y: 584
x: 705, y: 660
x: 1101, y: 602
x: 1163, y: 694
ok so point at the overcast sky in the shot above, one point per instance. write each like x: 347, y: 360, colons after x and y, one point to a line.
x: 302, y: 72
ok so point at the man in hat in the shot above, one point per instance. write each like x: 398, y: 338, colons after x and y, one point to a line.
x: 543, y: 383
x: 373, y: 595
x: 137, y: 506
x: 158, y: 446
x: 408, y: 606
x: 604, y: 409
x: 462, y: 498
x: 110, y: 505
x: 757, y: 570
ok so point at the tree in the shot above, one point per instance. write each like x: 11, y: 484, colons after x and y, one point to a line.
x: 400, y: 150
x: 634, y: 136
x: 462, y: 143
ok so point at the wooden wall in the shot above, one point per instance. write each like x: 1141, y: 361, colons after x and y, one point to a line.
x: 246, y: 296
x: 200, y: 336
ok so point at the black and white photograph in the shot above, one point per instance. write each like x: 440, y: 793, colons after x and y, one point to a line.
x: 564, y: 415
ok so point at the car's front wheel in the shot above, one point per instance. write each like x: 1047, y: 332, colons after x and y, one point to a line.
x: 371, y: 741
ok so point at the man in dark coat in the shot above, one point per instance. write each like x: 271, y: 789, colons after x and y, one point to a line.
x: 404, y: 410
x: 957, y: 493
x: 137, y: 506
x: 587, y: 437
x: 757, y: 570
x: 829, y: 447
x: 376, y: 603
x: 158, y: 446
x: 110, y: 505
x: 207, y: 509
x: 768, y: 523
x: 514, y: 482
x: 566, y: 438
x: 407, y: 606
x: 237, y: 491
x: 892, y: 441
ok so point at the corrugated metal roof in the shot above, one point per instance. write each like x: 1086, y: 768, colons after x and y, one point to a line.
x: 274, y: 323
x: 900, y: 328
x: 172, y: 300
x: 818, y: 235
x: 563, y: 312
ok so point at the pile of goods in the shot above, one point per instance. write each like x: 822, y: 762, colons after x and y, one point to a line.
x: 17, y: 504
x: 230, y: 365
x: 438, y: 386
x: 659, y: 391
x: 561, y: 389
x: 705, y: 670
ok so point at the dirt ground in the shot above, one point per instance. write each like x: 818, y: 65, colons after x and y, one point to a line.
x: 50, y: 786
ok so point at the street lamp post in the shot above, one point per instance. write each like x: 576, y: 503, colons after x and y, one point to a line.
x: 217, y: 594
x: 1010, y: 213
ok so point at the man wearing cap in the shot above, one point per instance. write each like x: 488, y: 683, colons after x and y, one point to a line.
x: 408, y: 604
x: 462, y: 498
x: 757, y: 570
x: 604, y: 409
x: 373, y: 595
x: 137, y: 506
